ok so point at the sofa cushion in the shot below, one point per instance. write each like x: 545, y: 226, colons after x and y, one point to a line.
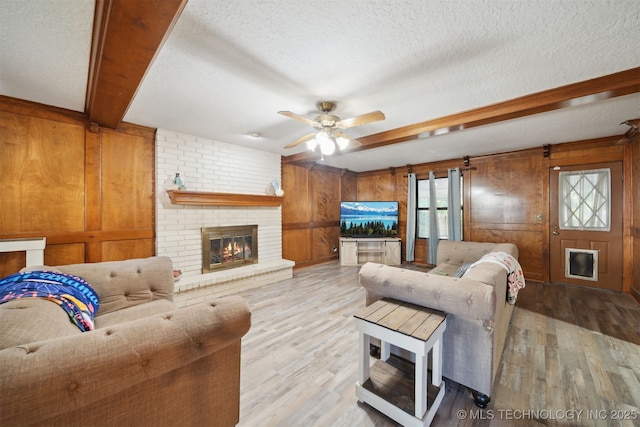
x: 461, y: 252
x: 28, y: 320
x: 458, y: 253
x: 133, y: 313
x: 122, y: 284
x: 445, y: 269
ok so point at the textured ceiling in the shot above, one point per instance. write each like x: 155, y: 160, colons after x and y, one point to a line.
x: 229, y: 66
x: 44, y: 50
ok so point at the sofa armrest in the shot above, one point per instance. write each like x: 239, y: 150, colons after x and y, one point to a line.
x: 459, y: 296
x: 92, y: 366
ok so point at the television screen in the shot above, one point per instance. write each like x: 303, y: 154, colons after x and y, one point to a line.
x: 368, y: 219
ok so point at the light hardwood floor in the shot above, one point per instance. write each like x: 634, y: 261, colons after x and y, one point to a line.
x: 572, y: 357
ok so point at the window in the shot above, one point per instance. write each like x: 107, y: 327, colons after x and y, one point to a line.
x: 422, y: 229
x: 585, y: 200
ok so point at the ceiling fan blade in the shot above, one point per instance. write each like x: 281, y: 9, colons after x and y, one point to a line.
x: 300, y: 118
x: 301, y: 140
x: 373, y: 116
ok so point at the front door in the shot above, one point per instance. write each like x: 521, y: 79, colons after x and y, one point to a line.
x: 586, y: 225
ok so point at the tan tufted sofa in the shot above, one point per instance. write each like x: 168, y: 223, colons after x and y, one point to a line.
x: 147, y: 363
x: 478, y: 314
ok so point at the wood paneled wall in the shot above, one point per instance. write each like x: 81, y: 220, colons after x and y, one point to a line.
x: 506, y: 199
x: 634, y: 154
x: 506, y: 196
x: 311, y: 211
x: 88, y: 190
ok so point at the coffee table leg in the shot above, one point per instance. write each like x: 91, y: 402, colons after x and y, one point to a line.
x: 363, y: 374
x: 421, y: 385
x: 385, y: 350
x: 436, y: 373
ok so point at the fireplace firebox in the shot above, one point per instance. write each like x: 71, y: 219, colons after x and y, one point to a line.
x: 228, y: 247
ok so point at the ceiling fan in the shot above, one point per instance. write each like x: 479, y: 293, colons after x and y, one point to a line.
x: 329, y: 134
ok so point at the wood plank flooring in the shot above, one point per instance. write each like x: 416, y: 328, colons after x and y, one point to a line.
x: 572, y: 358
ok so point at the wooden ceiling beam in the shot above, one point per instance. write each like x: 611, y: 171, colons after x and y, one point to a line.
x: 609, y: 86
x: 127, y: 36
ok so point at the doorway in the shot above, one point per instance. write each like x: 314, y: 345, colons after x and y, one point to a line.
x: 585, y: 241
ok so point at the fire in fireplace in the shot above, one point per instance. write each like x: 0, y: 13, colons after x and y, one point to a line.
x: 227, y: 247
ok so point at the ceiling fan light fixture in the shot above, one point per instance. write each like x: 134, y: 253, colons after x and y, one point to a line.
x: 342, y: 142
x: 322, y: 136
x: 327, y: 146
x: 312, y: 144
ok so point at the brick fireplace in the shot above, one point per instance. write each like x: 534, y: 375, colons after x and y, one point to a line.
x: 214, y: 166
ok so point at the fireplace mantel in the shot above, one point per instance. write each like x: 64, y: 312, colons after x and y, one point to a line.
x: 202, y: 198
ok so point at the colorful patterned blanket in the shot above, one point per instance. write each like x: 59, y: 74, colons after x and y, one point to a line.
x: 515, y: 277
x: 71, y: 293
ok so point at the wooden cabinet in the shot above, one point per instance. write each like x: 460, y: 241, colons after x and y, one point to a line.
x: 348, y: 251
x: 355, y: 251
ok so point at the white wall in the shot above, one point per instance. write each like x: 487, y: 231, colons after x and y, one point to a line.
x: 207, y: 165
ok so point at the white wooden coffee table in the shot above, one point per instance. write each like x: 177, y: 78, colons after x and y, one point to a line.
x: 397, y: 388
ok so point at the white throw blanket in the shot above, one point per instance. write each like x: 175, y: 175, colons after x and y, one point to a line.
x: 515, y: 277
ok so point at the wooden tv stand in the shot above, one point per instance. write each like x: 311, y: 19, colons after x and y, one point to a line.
x: 358, y: 251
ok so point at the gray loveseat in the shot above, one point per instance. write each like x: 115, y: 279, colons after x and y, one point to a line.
x: 478, y: 314
x: 147, y: 363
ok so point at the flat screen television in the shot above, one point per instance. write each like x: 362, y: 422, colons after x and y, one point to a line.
x: 369, y: 219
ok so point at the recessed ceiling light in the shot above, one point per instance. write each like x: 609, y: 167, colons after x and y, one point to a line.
x: 254, y: 134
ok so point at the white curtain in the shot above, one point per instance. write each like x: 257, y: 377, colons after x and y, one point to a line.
x: 454, y: 219
x: 434, y: 235
x: 412, y: 186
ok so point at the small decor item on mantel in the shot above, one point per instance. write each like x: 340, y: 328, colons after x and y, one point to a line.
x: 276, y: 187
x: 177, y: 182
x: 177, y: 274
